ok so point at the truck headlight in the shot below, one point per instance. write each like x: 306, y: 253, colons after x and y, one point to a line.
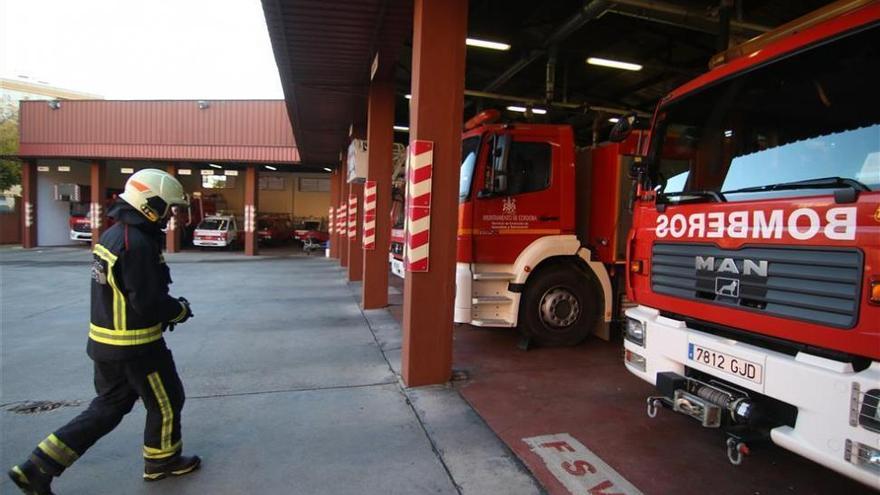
x: 635, y: 331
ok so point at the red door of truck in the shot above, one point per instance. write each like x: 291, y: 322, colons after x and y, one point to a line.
x: 515, y: 206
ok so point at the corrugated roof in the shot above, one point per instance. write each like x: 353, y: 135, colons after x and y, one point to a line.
x: 256, y: 131
x: 324, y: 51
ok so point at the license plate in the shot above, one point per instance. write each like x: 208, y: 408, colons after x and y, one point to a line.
x: 732, y: 365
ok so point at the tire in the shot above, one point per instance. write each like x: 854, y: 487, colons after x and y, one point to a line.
x: 560, y: 306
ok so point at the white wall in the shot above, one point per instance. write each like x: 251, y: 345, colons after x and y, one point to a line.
x: 53, y: 228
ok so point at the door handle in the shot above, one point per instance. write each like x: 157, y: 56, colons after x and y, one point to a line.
x: 545, y: 218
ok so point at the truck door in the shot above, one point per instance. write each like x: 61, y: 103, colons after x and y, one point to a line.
x: 518, y: 195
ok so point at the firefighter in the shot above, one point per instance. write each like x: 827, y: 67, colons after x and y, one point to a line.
x: 131, y: 308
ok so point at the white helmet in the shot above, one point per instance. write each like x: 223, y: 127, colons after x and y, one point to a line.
x: 153, y: 192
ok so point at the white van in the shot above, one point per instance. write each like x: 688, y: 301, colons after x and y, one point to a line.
x: 216, y: 231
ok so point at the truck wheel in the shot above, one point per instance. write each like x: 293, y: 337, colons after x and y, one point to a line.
x: 559, y: 307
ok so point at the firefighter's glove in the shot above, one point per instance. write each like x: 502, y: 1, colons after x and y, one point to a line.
x: 185, y: 314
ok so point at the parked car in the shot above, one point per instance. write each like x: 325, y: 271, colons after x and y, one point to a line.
x: 216, y: 231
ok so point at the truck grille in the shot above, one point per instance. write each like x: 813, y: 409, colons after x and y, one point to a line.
x: 82, y: 227
x: 815, y: 285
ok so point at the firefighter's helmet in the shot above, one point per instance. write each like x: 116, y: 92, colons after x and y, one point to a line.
x: 153, y: 192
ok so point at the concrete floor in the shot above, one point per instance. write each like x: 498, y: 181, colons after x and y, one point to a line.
x: 585, y: 393
x: 291, y: 389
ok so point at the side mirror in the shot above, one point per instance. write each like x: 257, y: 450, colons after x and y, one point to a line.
x: 622, y: 129
x: 638, y: 166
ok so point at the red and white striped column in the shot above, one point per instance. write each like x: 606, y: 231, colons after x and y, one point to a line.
x: 352, y: 216
x: 369, y: 238
x: 418, y: 206
x: 342, y: 228
x: 355, y: 253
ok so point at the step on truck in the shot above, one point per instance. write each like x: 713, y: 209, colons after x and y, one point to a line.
x: 542, y: 228
x: 754, y: 255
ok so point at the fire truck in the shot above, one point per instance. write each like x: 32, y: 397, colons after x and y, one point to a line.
x: 754, y: 255
x: 542, y: 229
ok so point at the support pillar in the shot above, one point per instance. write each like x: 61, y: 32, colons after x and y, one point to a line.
x: 29, y: 204
x: 250, y: 211
x: 97, y: 215
x: 173, y: 232
x: 343, y: 206
x: 332, y: 223
x: 380, y: 137
x: 355, y: 253
x: 439, y: 31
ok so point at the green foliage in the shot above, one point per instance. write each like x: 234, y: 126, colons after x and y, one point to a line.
x: 10, y: 170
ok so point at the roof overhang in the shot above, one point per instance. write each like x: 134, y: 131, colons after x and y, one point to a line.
x: 327, y: 53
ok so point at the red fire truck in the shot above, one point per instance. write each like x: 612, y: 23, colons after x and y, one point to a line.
x: 541, y: 230
x: 754, y: 257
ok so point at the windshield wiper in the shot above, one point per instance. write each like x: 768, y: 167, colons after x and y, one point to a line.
x: 823, y: 183
x: 715, y: 195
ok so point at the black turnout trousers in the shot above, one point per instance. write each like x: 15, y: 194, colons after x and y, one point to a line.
x: 152, y: 378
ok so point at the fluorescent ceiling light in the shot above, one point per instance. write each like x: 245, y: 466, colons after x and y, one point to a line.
x: 614, y: 120
x: 615, y: 64
x: 492, y: 45
x: 408, y: 96
x: 536, y: 111
x: 327, y: 169
x: 214, y: 165
x: 270, y: 167
x: 401, y: 128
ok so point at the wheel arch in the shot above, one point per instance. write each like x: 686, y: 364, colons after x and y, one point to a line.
x: 546, y: 252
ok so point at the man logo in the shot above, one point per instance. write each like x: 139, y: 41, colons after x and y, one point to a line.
x: 727, y: 287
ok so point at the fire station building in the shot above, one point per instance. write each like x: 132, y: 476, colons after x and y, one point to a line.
x: 233, y: 157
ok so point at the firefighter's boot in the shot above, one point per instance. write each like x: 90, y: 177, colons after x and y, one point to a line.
x: 31, y: 479
x: 176, y: 466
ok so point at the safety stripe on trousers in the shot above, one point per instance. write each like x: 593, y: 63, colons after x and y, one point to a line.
x: 125, y: 337
x: 164, y: 408
x: 119, y: 319
x: 153, y: 453
x: 58, y: 451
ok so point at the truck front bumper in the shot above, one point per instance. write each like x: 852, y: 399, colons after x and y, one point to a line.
x: 829, y: 395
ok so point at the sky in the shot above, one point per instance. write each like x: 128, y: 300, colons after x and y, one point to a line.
x: 136, y: 49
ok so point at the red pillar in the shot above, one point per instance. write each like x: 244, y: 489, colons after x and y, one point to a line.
x: 439, y: 31
x: 355, y: 253
x: 250, y: 211
x: 343, y: 206
x: 173, y: 233
x: 29, y: 204
x: 97, y: 215
x: 380, y: 137
x: 334, y: 203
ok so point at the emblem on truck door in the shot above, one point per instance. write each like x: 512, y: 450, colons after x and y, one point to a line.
x: 508, y: 207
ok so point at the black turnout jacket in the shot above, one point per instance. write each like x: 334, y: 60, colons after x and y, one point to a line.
x: 130, y: 300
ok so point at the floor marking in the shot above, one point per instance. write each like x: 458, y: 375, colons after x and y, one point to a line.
x: 577, y: 467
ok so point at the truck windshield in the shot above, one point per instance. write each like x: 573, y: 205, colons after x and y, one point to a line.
x: 469, y: 149
x: 801, y: 125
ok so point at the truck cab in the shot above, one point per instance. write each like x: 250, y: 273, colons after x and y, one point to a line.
x: 528, y: 255
x: 755, y: 250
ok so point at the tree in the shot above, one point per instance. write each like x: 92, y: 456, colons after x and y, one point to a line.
x: 10, y: 170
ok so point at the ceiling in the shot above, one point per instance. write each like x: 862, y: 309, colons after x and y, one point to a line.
x: 324, y: 56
